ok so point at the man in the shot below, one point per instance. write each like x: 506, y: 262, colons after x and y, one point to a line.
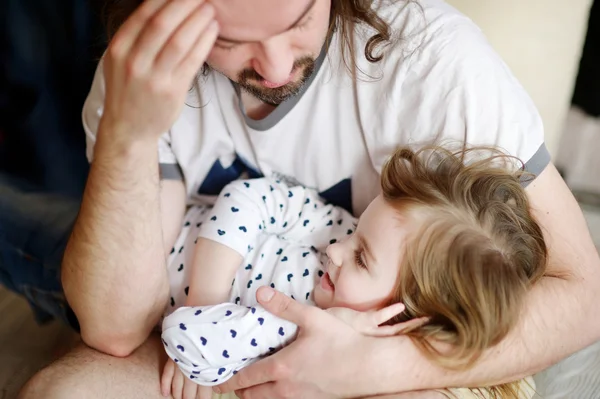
x: 317, y: 92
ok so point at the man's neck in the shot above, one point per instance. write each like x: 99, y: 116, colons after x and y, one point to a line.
x: 255, y: 108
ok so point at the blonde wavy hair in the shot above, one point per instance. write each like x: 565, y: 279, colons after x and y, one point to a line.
x: 468, y: 269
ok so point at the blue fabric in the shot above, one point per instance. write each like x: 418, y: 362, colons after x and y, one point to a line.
x: 34, y: 229
x: 48, y: 53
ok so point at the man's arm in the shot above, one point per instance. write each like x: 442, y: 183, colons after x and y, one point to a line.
x: 560, y: 318
x: 114, y: 272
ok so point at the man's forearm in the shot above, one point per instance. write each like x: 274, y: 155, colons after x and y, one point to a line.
x: 114, y: 273
x: 549, y: 330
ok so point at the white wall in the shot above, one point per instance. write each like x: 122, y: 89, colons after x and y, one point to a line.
x: 541, y: 41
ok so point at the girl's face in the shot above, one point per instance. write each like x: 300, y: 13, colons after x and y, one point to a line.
x: 362, y: 271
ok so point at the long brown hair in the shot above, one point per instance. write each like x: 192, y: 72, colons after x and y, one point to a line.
x: 469, y: 267
x: 345, y: 14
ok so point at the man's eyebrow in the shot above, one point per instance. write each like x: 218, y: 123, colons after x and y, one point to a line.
x: 365, y: 245
x: 306, y: 11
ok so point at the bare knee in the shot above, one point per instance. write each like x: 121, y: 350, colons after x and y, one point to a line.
x: 54, y: 382
x: 86, y: 373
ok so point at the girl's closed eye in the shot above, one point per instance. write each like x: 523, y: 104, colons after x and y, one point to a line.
x: 359, y: 259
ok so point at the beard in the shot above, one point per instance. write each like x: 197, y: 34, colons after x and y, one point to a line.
x: 249, y: 81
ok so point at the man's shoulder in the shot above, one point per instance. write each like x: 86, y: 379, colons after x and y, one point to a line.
x: 422, y: 33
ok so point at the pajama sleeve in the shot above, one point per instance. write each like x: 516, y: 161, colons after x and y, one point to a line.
x: 211, y: 343
x: 246, y: 209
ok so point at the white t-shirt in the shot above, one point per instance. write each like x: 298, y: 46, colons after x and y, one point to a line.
x: 439, y: 79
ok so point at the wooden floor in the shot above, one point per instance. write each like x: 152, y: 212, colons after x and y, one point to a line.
x: 26, y: 347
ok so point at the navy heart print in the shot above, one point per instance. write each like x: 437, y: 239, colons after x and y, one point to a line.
x: 243, y: 228
x: 225, y: 354
x: 248, y: 267
x: 306, y: 222
x: 284, y: 259
x: 261, y: 321
x: 289, y: 277
x: 180, y: 268
x: 228, y: 313
x: 305, y: 254
x: 203, y: 340
x: 221, y: 370
x: 221, y: 232
x: 305, y: 273
x: 259, y: 276
x: 234, y: 209
x: 247, y: 184
x: 213, y: 218
x: 233, y: 333
x: 279, y: 252
x: 199, y: 311
x: 281, y: 331
x: 227, y: 195
x: 253, y: 342
x: 180, y: 348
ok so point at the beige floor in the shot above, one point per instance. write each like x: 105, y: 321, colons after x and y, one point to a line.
x: 26, y: 347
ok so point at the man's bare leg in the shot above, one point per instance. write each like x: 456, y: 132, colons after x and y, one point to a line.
x: 86, y: 373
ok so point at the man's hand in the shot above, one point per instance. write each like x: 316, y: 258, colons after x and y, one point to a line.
x: 311, y: 366
x: 151, y: 62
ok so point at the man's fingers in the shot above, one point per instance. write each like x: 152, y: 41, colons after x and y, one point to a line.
x: 260, y: 391
x: 167, y: 377
x: 158, y: 30
x: 260, y: 372
x: 129, y: 32
x: 183, y: 41
x: 285, y: 307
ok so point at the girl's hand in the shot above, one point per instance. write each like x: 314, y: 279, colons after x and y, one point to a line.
x: 151, y: 63
x: 174, y: 384
x: 369, y: 323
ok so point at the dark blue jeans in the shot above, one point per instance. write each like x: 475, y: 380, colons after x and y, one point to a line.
x: 48, y: 53
x: 34, y: 229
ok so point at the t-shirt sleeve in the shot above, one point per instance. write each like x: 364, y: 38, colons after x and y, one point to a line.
x: 246, y: 209
x: 91, y: 114
x: 210, y: 344
x: 455, y: 87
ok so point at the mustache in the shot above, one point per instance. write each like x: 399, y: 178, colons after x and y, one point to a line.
x: 251, y: 74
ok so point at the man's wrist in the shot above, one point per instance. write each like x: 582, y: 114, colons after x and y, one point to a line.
x: 119, y: 140
x: 399, y: 366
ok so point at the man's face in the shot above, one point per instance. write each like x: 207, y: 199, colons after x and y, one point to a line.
x: 269, y: 47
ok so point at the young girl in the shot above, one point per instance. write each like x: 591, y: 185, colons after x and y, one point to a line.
x: 451, y: 237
